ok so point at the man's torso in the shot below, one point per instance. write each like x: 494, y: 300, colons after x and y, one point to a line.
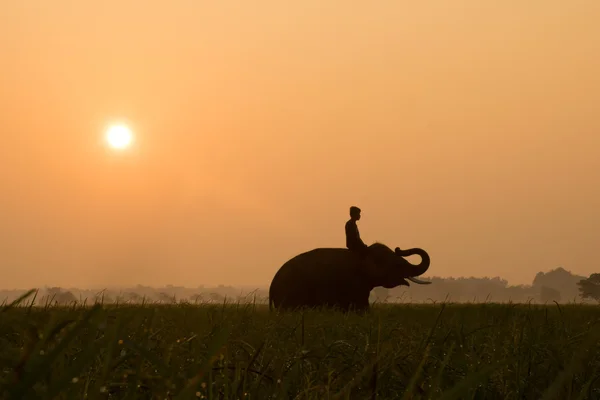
x: 352, y: 235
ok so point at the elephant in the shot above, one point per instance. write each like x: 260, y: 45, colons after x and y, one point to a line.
x: 338, y: 278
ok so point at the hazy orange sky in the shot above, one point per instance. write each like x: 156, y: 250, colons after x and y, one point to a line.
x: 468, y: 128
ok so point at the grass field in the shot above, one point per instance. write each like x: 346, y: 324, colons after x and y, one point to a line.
x: 243, y: 351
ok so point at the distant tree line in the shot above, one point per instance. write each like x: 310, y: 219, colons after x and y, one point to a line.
x: 558, y: 285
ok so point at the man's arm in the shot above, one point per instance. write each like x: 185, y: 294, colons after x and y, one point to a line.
x: 353, y: 235
x: 359, y: 241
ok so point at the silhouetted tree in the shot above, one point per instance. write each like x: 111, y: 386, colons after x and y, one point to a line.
x: 590, y: 288
x: 134, y: 297
x: 166, y: 298
x: 548, y: 294
x: 215, y: 297
x: 129, y: 297
x: 56, y: 295
x: 197, y: 298
x: 559, y: 279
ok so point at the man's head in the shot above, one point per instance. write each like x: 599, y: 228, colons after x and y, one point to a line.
x: 355, y: 213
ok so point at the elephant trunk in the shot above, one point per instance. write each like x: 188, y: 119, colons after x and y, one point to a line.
x: 415, y: 270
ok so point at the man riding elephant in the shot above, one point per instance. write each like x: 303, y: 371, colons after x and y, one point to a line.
x: 353, y: 240
x: 344, y: 277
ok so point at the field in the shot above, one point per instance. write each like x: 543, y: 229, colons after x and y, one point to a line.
x: 243, y: 351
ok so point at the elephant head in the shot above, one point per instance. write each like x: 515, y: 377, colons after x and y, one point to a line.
x: 389, y: 268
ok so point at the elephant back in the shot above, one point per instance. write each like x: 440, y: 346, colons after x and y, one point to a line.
x: 324, y: 270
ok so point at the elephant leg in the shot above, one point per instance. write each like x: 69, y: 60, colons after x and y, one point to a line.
x: 363, y: 302
x: 359, y: 306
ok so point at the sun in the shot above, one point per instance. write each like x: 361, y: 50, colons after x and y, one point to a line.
x: 119, y: 137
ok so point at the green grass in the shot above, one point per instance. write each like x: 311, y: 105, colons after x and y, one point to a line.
x: 409, y: 351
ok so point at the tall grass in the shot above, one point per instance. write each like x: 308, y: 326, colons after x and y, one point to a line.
x: 243, y: 351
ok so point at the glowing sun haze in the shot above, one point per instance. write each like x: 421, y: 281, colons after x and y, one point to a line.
x: 119, y: 136
x: 470, y: 128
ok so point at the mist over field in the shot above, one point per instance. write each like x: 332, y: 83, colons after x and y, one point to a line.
x: 558, y: 285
